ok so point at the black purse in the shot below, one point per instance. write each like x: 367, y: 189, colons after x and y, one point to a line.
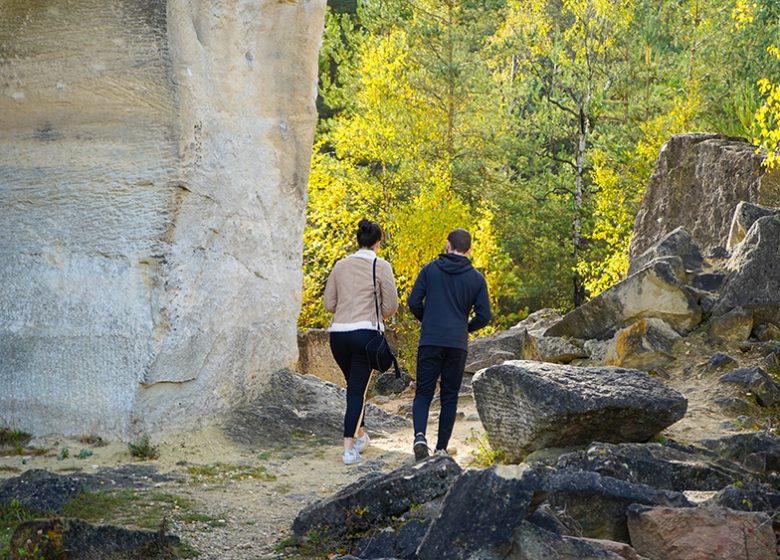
x: 378, y: 350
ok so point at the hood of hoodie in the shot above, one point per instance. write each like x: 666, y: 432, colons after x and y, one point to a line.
x: 453, y: 264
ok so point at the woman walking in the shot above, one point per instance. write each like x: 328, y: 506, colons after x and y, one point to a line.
x: 350, y: 293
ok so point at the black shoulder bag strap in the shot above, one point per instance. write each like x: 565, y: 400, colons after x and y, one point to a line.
x: 378, y: 328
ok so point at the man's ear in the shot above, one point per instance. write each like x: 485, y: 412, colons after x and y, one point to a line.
x: 447, y: 247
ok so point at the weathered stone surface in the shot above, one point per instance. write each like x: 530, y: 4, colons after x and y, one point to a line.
x: 697, y: 183
x: 512, y: 344
x: 677, y: 243
x: 526, y: 405
x: 315, y: 357
x: 734, y: 325
x: 656, y: 291
x: 539, y: 321
x: 479, y: 514
x: 708, y: 281
x: 47, y: 492
x: 766, y: 332
x: 757, y: 451
x: 623, y: 550
x: 295, y: 403
x: 387, y: 384
x: 559, y: 350
x: 598, y: 503
x: 645, y: 345
x: 78, y: 540
x: 399, y: 543
x: 745, y: 215
x: 719, y: 360
x: 376, y: 499
x: 155, y: 158
x: 662, y: 533
x: 534, y: 543
x: 748, y: 496
x: 765, y: 389
x: 661, y: 466
x: 753, y: 281
x: 597, y: 349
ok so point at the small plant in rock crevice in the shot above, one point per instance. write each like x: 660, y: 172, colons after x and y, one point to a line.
x: 142, y: 448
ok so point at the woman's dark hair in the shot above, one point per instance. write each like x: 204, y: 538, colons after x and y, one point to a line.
x: 368, y: 233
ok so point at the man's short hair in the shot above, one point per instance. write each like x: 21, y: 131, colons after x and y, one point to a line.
x: 460, y: 240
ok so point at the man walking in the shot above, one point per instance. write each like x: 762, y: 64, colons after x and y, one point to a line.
x: 443, y: 296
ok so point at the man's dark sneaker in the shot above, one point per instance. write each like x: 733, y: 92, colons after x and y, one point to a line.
x: 421, y: 450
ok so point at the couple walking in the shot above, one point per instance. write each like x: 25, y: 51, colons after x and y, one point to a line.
x: 445, y: 293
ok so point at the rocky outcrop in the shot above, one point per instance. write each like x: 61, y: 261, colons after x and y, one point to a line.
x: 661, y: 533
x: 737, y: 324
x: 512, y: 344
x: 75, y: 539
x: 753, y: 281
x: 756, y: 381
x: 155, y: 158
x: 698, y: 181
x: 677, y: 243
x: 377, y: 499
x: 645, y: 345
x: 300, y: 405
x: 527, y: 405
x: 756, y: 451
x: 656, y: 291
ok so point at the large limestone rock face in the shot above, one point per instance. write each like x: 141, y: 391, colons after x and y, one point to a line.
x: 697, y: 182
x: 154, y: 161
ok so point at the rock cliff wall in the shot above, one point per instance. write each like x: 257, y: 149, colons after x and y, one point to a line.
x: 154, y: 158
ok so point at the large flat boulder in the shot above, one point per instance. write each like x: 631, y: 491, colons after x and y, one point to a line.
x: 753, y: 280
x: 300, y: 404
x: 698, y: 181
x: 702, y: 533
x: 526, y: 405
x: 376, y: 499
x: 677, y: 243
x: 656, y: 291
x: 511, y: 344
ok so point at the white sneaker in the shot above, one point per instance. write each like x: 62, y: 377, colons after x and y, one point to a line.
x: 361, y: 442
x: 351, y: 456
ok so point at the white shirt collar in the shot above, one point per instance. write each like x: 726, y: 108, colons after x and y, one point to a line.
x: 367, y: 254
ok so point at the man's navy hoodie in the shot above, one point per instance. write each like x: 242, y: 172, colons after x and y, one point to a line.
x: 443, y: 295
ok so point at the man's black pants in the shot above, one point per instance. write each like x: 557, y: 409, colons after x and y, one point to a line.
x: 434, y: 362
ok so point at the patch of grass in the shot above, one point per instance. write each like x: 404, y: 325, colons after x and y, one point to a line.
x: 142, y: 448
x: 9, y: 468
x: 84, y: 453
x: 64, y: 454
x: 128, y: 508
x: 12, y: 438
x: 485, y: 455
x: 223, y: 472
x: 10, y: 516
x: 316, y: 544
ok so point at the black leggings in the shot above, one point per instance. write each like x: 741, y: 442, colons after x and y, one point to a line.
x: 349, y: 351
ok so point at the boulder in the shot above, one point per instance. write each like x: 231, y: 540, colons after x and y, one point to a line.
x: 47, y: 492
x: 747, y: 496
x: 559, y: 350
x: 766, y: 332
x: 512, y: 344
x: 720, y: 360
x: 598, y: 503
x: 701, y: 533
x: 758, y: 382
x: 539, y: 321
x: 753, y: 280
x: 745, y: 215
x: 647, y: 344
x: 155, y: 157
x: 300, y: 404
x: 597, y: 349
x: 387, y: 384
x: 708, y: 281
x: 479, y: 514
x: 656, y: 291
x: 736, y: 324
x: 534, y: 543
x: 376, y: 499
x: 756, y: 451
x: 75, y: 539
x: 677, y: 243
x: 526, y: 405
x: 697, y: 182
x: 663, y: 467
x: 394, y: 542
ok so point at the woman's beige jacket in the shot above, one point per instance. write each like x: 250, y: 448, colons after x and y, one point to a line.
x: 349, y: 292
